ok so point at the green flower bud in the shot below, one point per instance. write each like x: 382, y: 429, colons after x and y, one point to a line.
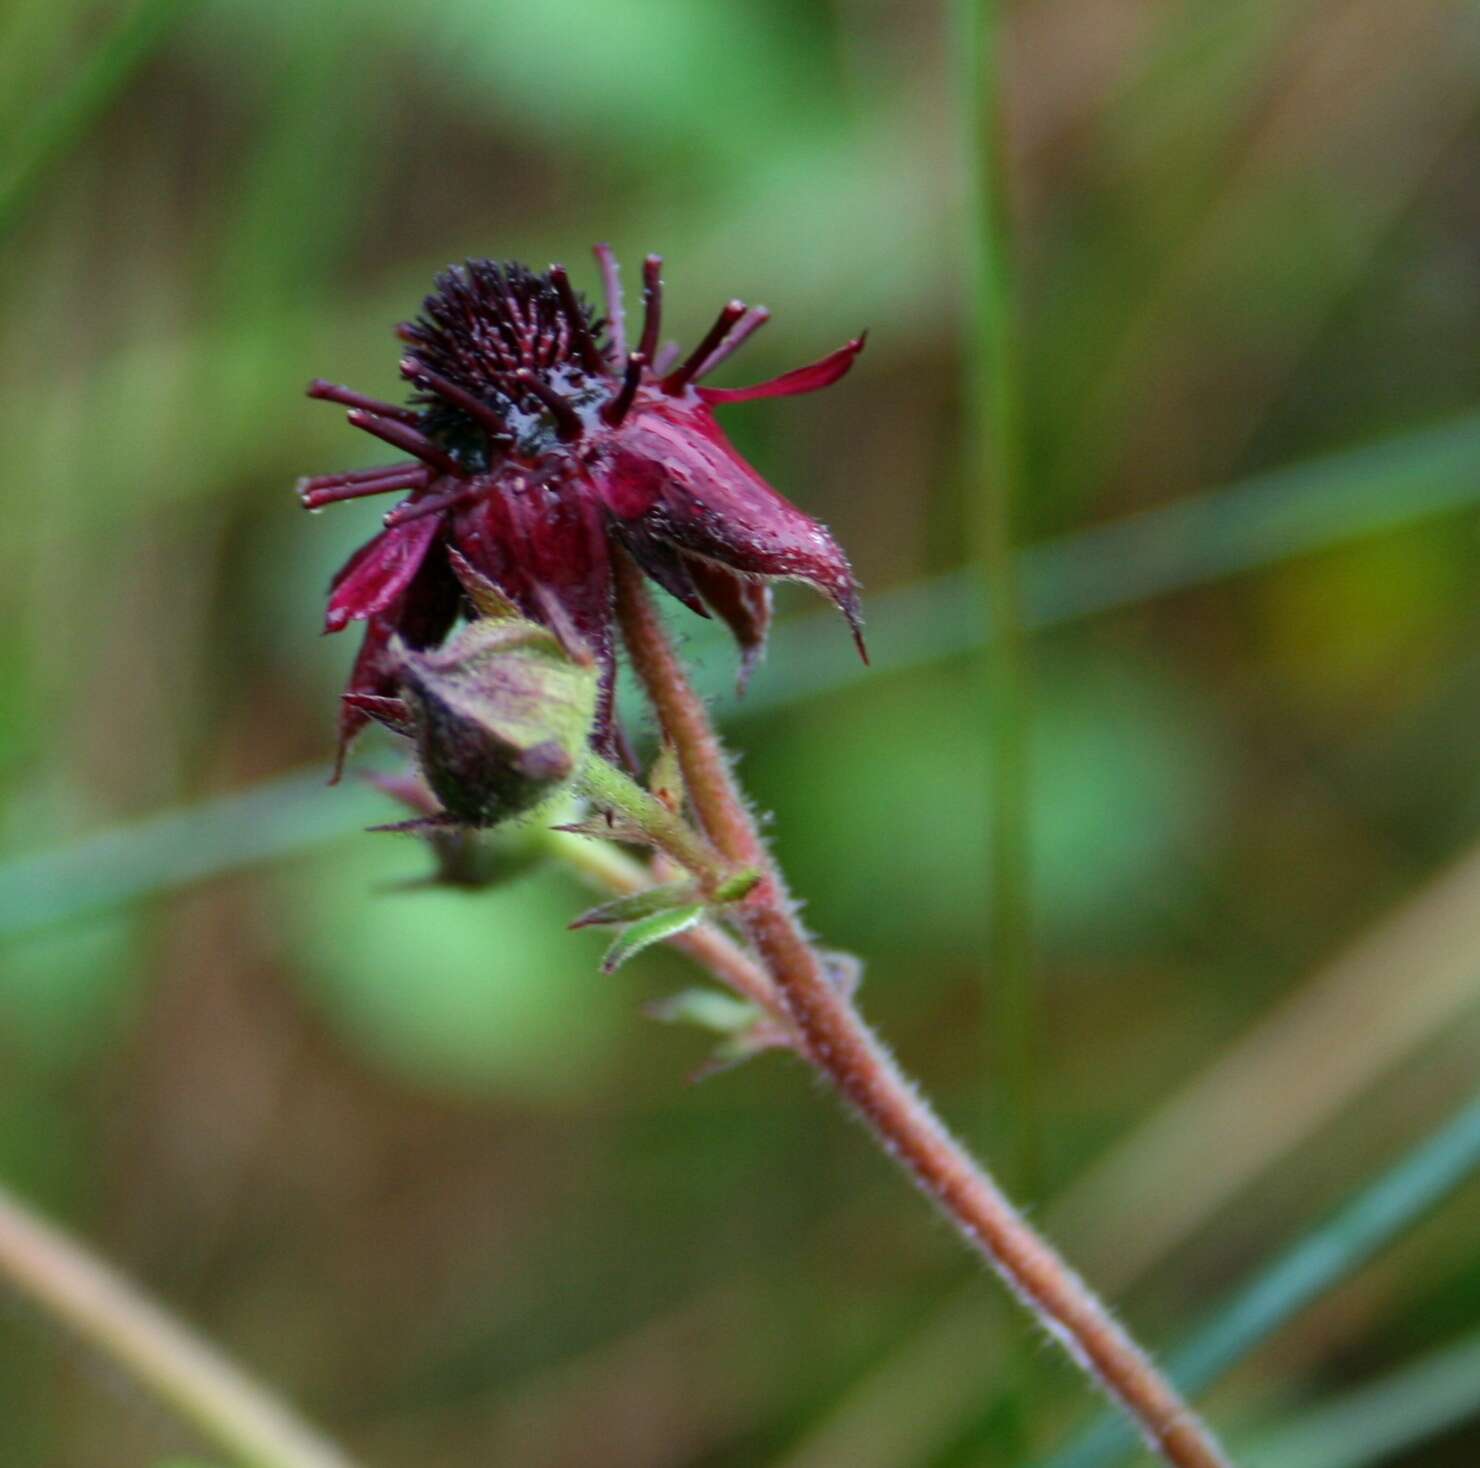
x: 501, y: 716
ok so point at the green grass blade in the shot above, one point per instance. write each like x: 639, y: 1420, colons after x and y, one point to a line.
x: 1333, y: 1252
x: 1378, y: 1421
x: 277, y: 818
x: 62, y: 125
x: 1261, y: 522
x: 994, y: 475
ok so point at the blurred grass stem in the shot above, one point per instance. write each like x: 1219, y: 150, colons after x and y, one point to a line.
x: 65, y: 121
x: 231, y: 1411
x: 993, y: 484
x: 835, y: 1038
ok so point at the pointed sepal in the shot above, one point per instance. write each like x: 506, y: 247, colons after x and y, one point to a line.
x: 737, y: 886
x: 486, y: 599
x: 606, y: 825
x: 392, y: 713
x: 501, y: 716
x: 665, y: 778
x: 638, y: 905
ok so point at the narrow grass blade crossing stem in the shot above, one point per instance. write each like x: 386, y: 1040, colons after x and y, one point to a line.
x: 1259, y: 522
x: 65, y: 121
x: 1377, y: 1421
x: 1333, y: 1252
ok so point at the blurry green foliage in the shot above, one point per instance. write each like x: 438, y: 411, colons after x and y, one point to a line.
x: 1126, y: 781
x: 67, y: 993
x: 469, y: 993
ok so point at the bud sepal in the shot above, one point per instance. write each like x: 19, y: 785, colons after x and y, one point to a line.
x: 744, y: 1028
x: 655, y: 929
x: 501, y: 716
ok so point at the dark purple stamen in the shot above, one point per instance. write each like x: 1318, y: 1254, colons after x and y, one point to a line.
x: 567, y: 422
x: 313, y: 498
x: 616, y: 310
x: 652, y: 304
x: 433, y: 504
x: 614, y: 411
x: 334, y: 393
x: 484, y: 416
x: 749, y: 324
x: 353, y: 476
x: 408, y: 440
x: 580, y: 327
x: 679, y: 379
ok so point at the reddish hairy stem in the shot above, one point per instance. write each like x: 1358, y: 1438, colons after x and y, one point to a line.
x: 838, y: 1041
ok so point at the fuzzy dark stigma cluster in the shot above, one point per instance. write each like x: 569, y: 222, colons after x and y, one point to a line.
x: 538, y: 443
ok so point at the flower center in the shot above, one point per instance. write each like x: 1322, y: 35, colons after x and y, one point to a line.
x: 503, y: 359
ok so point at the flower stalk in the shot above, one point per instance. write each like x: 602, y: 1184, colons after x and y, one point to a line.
x: 610, y: 789
x: 837, y: 1041
x: 551, y: 475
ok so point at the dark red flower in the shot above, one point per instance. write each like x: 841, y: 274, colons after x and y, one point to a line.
x: 537, y: 439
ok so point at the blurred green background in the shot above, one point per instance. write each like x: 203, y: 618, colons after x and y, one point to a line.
x: 407, y: 1156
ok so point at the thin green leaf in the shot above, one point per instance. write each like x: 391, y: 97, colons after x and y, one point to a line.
x: 637, y: 905
x: 1333, y: 1252
x: 708, y: 1009
x: 665, y: 778
x: 656, y: 929
x: 736, y: 886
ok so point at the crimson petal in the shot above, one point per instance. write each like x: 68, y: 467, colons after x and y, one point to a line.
x: 543, y: 543
x: 421, y: 616
x: 371, y: 580
x: 678, y: 477
x: 375, y: 675
x: 811, y: 378
x: 668, y: 566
